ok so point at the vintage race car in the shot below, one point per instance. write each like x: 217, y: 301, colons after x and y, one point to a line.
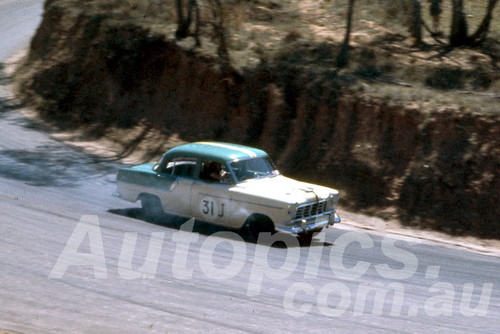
x: 231, y: 185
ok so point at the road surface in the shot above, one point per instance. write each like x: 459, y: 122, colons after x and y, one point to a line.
x: 75, y: 259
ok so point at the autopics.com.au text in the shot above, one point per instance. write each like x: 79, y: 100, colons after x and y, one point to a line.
x: 345, y: 289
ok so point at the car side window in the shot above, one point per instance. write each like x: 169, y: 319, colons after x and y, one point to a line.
x: 213, y: 171
x: 180, y: 167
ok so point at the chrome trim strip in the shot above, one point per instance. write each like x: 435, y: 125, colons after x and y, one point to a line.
x: 241, y: 201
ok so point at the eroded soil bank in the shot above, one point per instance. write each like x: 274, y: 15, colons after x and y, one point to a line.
x: 434, y: 168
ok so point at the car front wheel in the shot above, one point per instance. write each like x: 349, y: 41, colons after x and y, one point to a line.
x: 256, y: 224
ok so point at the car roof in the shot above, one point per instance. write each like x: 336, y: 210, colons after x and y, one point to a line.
x: 218, y: 151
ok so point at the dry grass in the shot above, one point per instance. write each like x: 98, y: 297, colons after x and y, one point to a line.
x: 308, y: 32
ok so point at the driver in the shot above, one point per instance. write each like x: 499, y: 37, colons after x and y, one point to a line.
x: 214, y: 171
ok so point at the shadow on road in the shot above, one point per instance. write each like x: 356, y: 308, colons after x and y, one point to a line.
x: 175, y: 222
x: 52, y: 165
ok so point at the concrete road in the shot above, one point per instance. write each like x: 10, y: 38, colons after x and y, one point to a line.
x: 75, y: 259
x: 18, y: 21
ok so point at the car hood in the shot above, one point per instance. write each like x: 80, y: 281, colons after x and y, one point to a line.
x: 283, y: 189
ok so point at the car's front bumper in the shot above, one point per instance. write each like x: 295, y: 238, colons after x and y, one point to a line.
x: 312, y: 226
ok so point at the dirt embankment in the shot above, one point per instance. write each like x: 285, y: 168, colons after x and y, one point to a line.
x: 438, y: 168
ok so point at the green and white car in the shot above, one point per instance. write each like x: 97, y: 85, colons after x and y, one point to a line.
x: 234, y: 186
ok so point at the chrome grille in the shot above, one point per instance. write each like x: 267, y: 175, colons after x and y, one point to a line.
x: 310, y: 210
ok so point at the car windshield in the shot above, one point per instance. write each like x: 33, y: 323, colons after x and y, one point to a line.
x: 253, y: 168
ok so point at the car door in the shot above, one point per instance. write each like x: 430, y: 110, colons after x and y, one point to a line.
x: 211, y: 199
x: 176, y: 179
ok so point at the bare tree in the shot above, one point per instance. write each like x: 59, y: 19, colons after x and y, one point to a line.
x: 184, y: 21
x: 482, y: 31
x: 459, y: 35
x: 342, y: 57
x: 416, y: 22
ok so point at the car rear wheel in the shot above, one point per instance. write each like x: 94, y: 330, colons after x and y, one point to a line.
x: 151, y: 205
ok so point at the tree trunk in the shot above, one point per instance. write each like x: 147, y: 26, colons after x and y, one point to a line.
x: 184, y: 22
x: 182, y: 26
x: 342, y: 58
x: 416, y: 23
x: 458, y: 35
x: 196, y: 8
x: 220, y: 30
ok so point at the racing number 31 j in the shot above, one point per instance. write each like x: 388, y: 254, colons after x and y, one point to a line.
x: 209, y: 207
